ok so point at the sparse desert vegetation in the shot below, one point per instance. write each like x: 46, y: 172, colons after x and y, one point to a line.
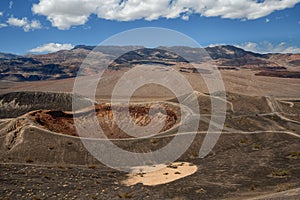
x: 281, y: 173
x: 257, y: 152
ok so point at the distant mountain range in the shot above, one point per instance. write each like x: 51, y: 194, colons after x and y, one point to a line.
x: 65, y: 64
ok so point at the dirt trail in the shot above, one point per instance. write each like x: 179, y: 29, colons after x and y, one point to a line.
x: 276, y: 109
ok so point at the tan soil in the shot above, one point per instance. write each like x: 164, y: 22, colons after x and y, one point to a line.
x: 162, y: 174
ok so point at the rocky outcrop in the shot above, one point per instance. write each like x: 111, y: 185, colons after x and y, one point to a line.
x: 18, y: 103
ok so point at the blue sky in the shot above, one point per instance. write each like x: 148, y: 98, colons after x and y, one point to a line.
x: 40, y: 26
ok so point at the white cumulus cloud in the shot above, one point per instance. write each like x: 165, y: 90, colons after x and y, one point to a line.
x: 66, y: 13
x: 26, y: 24
x: 51, y: 47
x: 2, y: 25
x: 268, y: 47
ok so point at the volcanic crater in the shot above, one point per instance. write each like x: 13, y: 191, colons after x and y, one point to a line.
x: 141, y: 114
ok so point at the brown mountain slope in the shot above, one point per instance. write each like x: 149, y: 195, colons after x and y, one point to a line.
x: 65, y: 64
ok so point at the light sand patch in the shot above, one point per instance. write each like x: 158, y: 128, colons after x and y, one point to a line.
x: 147, y: 175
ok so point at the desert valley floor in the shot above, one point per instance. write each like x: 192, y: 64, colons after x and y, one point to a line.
x: 256, y: 157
